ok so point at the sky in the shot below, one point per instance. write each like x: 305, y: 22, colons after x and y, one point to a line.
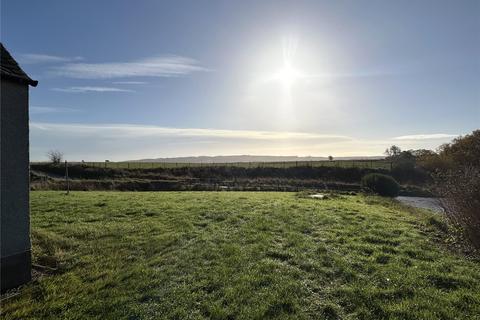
x: 123, y: 79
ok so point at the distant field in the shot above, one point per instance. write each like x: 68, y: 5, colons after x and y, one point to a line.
x: 106, y: 176
x: 373, y: 164
x: 241, y: 255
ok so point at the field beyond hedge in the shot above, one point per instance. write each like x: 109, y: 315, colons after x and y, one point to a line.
x: 240, y: 255
x: 48, y: 176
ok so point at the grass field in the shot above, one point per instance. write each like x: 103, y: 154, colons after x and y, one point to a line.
x: 232, y: 255
x: 372, y: 164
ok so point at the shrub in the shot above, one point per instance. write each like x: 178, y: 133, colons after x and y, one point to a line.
x: 409, y: 173
x: 463, y: 151
x: 460, y: 190
x: 381, y: 184
x: 457, y: 181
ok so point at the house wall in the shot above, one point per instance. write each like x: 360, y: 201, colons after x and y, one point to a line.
x: 14, y: 185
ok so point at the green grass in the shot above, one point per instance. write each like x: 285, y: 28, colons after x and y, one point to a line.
x: 372, y: 164
x: 232, y: 255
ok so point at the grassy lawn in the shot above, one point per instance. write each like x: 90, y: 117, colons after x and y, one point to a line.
x: 207, y: 255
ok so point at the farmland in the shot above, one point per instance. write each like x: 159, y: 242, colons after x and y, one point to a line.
x: 241, y: 255
x: 83, y: 177
x: 371, y: 164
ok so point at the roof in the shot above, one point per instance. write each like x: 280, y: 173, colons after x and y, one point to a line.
x: 10, y: 69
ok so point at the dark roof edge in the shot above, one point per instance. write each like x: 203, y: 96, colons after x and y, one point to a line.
x: 9, y: 68
x: 29, y: 81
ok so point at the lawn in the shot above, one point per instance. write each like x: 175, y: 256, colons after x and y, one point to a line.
x: 233, y: 255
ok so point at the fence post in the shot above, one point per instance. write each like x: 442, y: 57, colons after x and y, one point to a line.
x: 66, y: 177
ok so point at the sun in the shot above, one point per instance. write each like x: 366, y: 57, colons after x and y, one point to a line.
x: 287, y: 75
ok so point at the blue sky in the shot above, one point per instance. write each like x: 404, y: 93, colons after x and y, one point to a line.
x: 135, y: 79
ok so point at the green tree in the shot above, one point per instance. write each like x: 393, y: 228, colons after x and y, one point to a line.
x: 464, y: 150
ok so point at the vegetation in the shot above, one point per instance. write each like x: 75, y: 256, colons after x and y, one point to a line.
x: 457, y: 178
x: 55, y: 156
x: 405, y: 165
x: 381, y: 184
x: 228, y: 255
x: 206, y: 178
x: 462, y: 151
x: 393, y: 152
x: 370, y: 164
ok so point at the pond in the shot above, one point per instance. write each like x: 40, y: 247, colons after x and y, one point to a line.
x: 433, y: 204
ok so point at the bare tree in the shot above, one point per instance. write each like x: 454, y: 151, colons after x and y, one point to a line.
x: 55, y: 156
x: 393, y: 151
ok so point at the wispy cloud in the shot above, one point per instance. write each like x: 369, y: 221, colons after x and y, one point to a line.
x: 431, y: 136
x: 130, y: 82
x: 128, y: 141
x: 33, y: 58
x: 41, y: 110
x: 135, y: 131
x: 160, y: 66
x: 91, y: 89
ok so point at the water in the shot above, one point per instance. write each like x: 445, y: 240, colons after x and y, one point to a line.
x: 433, y: 204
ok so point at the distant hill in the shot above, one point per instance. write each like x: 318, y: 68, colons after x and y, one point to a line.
x: 249, y: 158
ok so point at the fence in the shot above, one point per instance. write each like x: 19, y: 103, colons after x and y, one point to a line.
x: 372, y: 164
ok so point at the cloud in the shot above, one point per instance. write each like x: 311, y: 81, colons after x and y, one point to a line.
x: 91, y: 89
x: 125, y: 141
x: 159, y: 66
x: 34, y: 58
x: 42, y: 110
x: 136, y: 131
x: 432, y: 136
x: 128, y: 141
x: 129, y: 82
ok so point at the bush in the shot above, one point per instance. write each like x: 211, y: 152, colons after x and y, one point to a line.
x: 460, y: 190
x: 457, y: 181
x: 381, y: 184
x: 463, y: 151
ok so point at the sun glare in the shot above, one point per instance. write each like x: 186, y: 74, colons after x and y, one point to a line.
x: 288, y: 75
